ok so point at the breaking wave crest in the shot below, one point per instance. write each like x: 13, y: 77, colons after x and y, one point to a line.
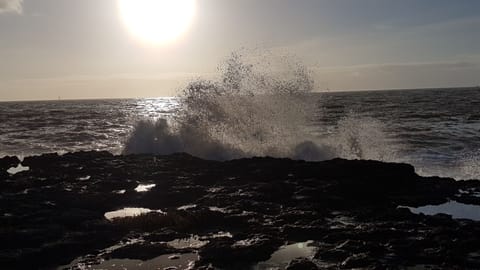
x: 260, y: 106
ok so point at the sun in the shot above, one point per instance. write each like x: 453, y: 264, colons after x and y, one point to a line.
x: 157, y: 21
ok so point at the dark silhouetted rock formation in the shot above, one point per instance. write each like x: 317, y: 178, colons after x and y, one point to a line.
x: 54, y: 212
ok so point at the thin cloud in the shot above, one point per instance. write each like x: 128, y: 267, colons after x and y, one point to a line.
x: 11, y: 6
x: 405, y: 75
x: 407, y: 65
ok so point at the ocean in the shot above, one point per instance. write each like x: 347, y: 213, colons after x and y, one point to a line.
x: 436, y: 130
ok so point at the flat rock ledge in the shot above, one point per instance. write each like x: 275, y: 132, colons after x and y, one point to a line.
x: 241, y: 211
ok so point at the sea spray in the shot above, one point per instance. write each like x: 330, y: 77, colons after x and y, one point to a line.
x: 251, y: 110
x: 363, y: 138
x: 259, y: 106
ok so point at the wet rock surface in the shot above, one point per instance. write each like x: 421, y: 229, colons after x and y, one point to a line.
x: 6, y: 163
x: 238, y: 213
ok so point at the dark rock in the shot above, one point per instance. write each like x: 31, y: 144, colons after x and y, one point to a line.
x: 301, y: 264
x: 245, y: 210
x: 357, y: 261
x: 224, y: 252
x: 165, y: 235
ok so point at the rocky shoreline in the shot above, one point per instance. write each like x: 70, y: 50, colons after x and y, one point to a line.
x: 242, y: 214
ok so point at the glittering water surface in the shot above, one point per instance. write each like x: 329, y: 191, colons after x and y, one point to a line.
x: 63, y: 126
x: 438, y: 131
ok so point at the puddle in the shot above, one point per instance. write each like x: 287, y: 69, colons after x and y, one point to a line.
x: 19, y: 168
x: 129, y: 212
x: 192, y: 242
x: 453, y: 208
x: 285, y: 254
x: 122, y: 191
x: 88, y: 261
x: 186, y: 207
x: 144, y: 187
x: 168, y: 261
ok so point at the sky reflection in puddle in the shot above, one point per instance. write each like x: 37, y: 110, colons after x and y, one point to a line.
x: 453, y: 208
x: 168, y: 261
x: 19, y: 168
x: 129, y: 212
x: 144, y: 187
x: 282, y: 257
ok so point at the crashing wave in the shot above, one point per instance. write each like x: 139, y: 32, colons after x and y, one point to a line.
x: 258, y: 107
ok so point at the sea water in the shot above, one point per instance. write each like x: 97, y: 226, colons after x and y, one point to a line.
x: 251, y: 111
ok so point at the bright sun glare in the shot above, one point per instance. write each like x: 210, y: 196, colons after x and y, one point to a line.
x: 157, y: 21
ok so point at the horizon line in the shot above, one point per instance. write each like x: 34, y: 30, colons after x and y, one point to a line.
x: 331, y: 91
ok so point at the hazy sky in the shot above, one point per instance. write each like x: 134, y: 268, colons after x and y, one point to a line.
x: 81, y: 48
